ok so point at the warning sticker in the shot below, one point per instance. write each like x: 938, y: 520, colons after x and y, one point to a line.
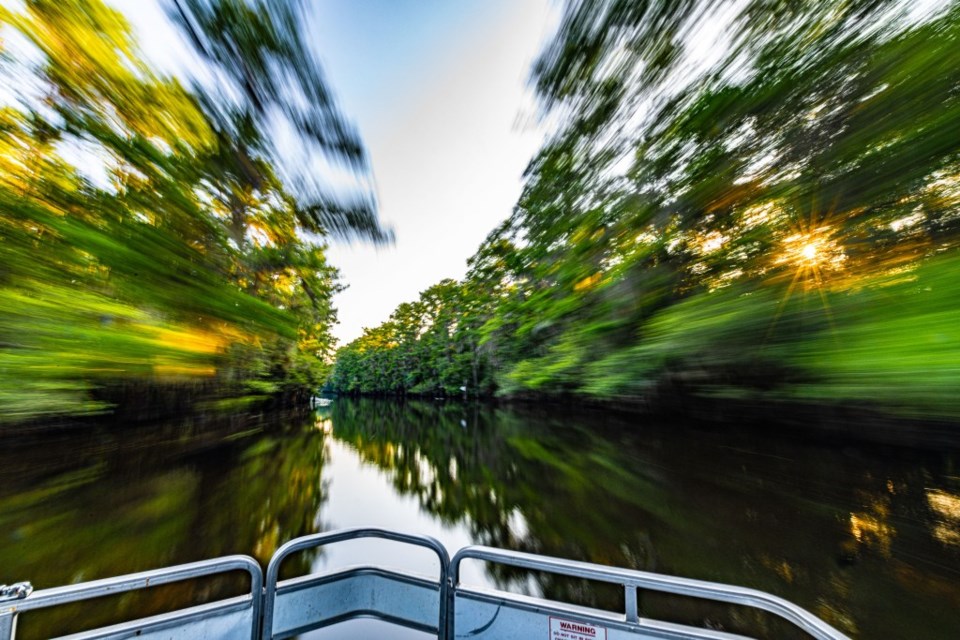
x: 561, y: 629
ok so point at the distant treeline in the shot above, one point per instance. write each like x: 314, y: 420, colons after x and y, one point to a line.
x: 757, y: 201
x: 152, y: 234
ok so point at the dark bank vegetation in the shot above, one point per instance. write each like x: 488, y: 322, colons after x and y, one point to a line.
x: 756, y: 201
x: 155, y: 240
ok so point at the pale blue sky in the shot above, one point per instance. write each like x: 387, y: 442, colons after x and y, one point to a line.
x: 371, y: 49
x: 437, y: 89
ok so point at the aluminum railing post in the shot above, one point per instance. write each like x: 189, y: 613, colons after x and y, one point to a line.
x: 630, y: 602
x: 9, y: 596
x: 448, y: 604
x: 8, y: 625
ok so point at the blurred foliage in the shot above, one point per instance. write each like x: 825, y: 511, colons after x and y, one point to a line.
x: 757, y: 199
x: 145, y: 230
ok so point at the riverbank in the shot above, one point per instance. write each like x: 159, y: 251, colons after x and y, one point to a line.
x: 836, y: 424
x: 139, y: 403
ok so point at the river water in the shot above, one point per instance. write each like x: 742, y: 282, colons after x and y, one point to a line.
x: 866, y: 537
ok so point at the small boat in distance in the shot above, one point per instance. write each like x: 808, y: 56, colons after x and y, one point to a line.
x: 438, y: 607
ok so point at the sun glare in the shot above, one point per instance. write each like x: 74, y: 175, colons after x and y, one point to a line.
x: 811, y: 255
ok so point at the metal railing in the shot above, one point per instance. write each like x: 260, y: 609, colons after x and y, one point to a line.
x: 322, y: 539
x: 631, y: 580
x: 10, y: 608
x: 275, y: 609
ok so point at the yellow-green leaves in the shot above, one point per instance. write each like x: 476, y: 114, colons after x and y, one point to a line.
x: 138, y: 239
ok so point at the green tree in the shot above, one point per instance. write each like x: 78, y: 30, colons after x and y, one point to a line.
x: 147, y: 235
x: 737, y: 200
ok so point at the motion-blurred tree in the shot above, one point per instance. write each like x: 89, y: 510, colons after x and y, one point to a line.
x: 753, y: 199
x: 147, y: 237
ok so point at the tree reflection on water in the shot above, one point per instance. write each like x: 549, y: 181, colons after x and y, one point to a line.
x: 841, y: 532
x: 119, y: 501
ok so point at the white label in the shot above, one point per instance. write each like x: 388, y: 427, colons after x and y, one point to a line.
x: 561, y: 629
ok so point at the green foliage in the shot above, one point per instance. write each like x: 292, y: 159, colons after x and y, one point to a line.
x: 777, y: 219
x: 144, y: 233
x: 431, y: 346
x: 900, y: 342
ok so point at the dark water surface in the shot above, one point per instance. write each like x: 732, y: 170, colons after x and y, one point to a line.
x: 868, y: 538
